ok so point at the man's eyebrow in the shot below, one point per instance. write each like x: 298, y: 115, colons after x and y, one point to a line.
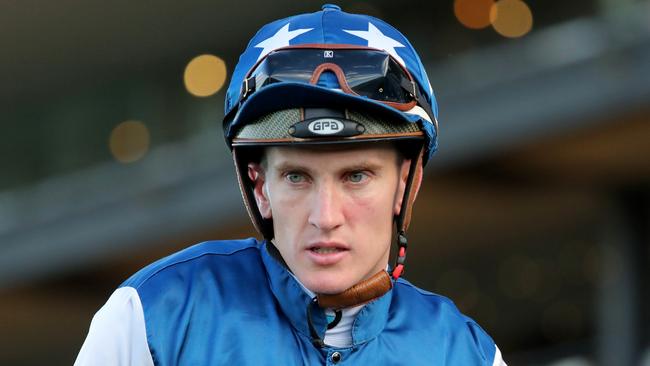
x: 357, y: 166
x: 288, y: 166
x: 364, y: 165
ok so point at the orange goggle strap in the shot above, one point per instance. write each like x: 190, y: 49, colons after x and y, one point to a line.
x: 340, y: 76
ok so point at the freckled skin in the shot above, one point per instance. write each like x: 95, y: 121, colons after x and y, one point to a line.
x: 343, y: 196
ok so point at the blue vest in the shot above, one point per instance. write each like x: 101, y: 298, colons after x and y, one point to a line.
x: 232, y: 303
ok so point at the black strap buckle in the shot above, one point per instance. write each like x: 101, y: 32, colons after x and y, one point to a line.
x: 248, y: 88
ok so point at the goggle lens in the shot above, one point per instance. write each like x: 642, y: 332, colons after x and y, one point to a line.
x: 370, y: 73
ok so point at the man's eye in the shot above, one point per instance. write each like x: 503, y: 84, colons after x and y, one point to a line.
x: 295, y: 178
x: 357, y: 177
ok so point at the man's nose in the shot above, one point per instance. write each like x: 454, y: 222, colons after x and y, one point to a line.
x: 326, y: 211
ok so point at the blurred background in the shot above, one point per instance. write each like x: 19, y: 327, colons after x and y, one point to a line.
x: 534, y: 216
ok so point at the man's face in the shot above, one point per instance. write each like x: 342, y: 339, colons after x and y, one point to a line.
x: 332, y: 209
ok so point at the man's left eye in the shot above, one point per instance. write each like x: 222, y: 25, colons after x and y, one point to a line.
x: 295, y: 178
x: 356, y: 177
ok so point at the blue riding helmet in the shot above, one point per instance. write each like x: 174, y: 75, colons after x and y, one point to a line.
x: 331, y: 58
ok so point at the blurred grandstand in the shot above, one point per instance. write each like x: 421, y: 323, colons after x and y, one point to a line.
x: 534, y: 217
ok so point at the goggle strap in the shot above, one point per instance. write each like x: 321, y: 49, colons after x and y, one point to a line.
x: 424, y: 103
x: 336, y: 70
x: 409, y: 86
x: 403, y: 219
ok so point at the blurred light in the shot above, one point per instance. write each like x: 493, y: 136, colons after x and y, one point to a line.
x: 511, y: 18
x: 204, y: 75
x: 474, y: 14
x: 129, y: 141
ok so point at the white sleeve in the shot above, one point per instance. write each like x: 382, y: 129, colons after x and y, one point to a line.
x: 498, y: 360
x: 117, y: 335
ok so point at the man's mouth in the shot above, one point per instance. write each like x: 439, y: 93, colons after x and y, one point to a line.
x: 327, y: 253
x: 321, y: 250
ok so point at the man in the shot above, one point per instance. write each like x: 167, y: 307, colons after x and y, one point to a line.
x: 330, y: 118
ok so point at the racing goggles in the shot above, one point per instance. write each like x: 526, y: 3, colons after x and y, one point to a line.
x: 366, y: 72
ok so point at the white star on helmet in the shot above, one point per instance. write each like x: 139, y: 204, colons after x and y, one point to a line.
x: 280, y: 39
x: 376, y: 39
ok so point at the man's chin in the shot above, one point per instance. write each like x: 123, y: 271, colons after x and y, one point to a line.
x: 329, y: 288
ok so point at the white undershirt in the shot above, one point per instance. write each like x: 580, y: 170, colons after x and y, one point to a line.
x: 341, y: 335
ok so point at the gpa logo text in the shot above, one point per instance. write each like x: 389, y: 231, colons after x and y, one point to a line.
x: 325, y: 126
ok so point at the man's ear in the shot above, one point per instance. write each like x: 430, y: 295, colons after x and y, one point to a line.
x: 257, y: 176
x: 403, y: 177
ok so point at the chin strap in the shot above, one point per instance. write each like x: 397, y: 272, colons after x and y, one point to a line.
x: 404, y: 218
x: 361, y: 293
x: 401, y: 255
